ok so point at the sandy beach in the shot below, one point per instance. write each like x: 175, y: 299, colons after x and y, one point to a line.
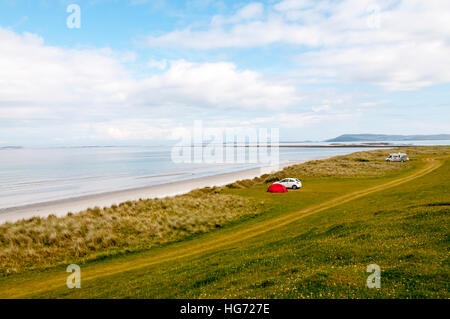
x: 77, y: 204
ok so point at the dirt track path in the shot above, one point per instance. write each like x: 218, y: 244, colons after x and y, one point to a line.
x: 40, y: 284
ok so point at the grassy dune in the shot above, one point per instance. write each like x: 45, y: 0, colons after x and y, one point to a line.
x: 38, y: 243
x: 311, y: 243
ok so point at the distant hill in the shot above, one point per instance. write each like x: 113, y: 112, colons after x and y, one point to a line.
x: 9, y: 147
x: 382, y: 137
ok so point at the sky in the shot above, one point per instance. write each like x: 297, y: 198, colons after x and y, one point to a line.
x: 139, y: 71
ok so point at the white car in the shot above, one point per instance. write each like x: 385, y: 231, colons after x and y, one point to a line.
x: 293, y: 183
x: 397, y: 157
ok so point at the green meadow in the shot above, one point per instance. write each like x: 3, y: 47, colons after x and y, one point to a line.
x: 239, y: 241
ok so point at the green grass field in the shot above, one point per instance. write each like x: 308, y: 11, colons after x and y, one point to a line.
x: 315, y: 242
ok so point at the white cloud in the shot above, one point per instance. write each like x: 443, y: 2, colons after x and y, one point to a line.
x: 251, y: 11
x: 290, y: 5
x: 405, y: 66
x: 34, y: 73
x: 297, y: 120
x: 133, y: 129
x: 246, y: 35
x: 320, y: 108
x: 399, y: 45
x: 219, y: 85
x: 158, y: 64
x: 44, y: 85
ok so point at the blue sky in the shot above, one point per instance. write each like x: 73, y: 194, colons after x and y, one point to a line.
x: 137, y: 70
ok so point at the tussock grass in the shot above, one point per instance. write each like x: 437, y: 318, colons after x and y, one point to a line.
x: 40, y: 242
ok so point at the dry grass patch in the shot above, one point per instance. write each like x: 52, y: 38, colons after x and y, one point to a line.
x: 40, y: 242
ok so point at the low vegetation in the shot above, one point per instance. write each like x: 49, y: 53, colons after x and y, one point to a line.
x: 358, y: 164
x: 404, y: 229
x: 135, y: 225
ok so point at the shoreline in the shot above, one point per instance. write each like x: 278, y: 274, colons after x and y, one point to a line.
x: 364, y: 145
x: 62, y: 207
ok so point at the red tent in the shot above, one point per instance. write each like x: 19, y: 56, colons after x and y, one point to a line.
x: 277, y: 188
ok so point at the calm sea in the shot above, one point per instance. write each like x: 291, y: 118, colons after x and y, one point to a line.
x: 33, y: 175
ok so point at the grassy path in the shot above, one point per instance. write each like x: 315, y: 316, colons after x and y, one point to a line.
x: 27, y: 286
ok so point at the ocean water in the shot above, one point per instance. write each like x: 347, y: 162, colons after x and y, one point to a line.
x: 34, y: 175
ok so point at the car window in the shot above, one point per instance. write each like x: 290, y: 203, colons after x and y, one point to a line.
x: 284, y: 181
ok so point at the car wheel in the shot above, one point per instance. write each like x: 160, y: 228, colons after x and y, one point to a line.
x: 294, y: 187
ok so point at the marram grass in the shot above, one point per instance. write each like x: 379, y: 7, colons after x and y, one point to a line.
x: 134, y: 225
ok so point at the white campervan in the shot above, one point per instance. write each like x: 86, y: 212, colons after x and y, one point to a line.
x: 397, y: 157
